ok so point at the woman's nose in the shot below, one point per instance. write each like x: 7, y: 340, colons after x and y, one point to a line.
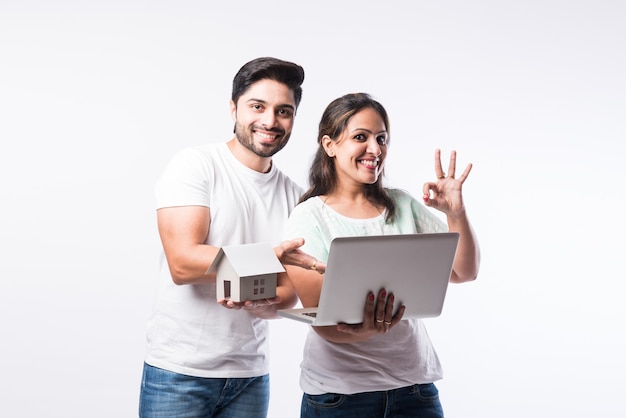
x: 373, y: 147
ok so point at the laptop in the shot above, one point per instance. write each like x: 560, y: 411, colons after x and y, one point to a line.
x: 415, y: 267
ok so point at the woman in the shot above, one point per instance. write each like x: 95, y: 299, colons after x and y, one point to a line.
x: 384, y: 366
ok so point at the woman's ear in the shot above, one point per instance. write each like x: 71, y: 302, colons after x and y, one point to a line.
x: 328, y: 145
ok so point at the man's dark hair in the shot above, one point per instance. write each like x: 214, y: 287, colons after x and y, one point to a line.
x: 288, y: 73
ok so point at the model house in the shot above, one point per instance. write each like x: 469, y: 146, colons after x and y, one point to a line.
x: 246, y: 272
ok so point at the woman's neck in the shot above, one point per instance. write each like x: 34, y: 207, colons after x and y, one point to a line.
x: 352, y: 205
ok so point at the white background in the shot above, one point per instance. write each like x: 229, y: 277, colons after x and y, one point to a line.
x: 96, y: 96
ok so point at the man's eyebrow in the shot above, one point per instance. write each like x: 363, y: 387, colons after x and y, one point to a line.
x: 252, y: 99
x: 286, y: 105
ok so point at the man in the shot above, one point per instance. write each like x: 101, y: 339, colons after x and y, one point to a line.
x: 208, y: 358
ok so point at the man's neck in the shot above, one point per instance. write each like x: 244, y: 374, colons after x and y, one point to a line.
x: 249, y: 158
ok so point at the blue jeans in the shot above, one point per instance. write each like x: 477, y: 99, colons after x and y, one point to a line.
x: 416, y: 401
x: 171, y: 395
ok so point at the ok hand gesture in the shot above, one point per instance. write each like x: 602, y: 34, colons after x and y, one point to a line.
x: 445, y: 194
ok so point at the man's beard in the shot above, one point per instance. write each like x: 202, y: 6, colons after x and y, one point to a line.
x: 245, y: 138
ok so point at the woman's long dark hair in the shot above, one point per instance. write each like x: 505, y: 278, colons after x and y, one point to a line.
x: 322, y: 174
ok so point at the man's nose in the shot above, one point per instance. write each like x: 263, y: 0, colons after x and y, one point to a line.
x: 269, y: 119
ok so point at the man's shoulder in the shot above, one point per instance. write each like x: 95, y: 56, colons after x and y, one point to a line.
x: 208, y: 149
x: 288, y: 182
x: 203, y: 152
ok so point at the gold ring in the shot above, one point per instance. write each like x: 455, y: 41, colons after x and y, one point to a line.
x: 314, y: 265
x: 387, y: 323
x: 379, y: 320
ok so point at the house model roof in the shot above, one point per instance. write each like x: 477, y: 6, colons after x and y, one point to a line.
x: 249, y: 259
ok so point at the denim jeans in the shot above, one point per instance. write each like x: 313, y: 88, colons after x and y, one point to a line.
x: 166, y: 394
x: 416, y: 401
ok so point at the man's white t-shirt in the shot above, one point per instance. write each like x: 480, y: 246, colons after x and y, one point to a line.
x: 188, y: 332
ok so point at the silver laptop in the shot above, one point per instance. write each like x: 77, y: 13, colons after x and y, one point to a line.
x: 415, y: 267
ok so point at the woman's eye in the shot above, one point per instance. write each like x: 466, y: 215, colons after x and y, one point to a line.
x: 381, y: 140
x: 360, y: 137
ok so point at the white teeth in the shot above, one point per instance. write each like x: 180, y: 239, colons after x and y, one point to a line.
x: 369, y: 163
x: 265, y: 136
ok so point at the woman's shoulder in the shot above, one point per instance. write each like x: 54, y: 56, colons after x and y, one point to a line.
x: 408, y: 207
x: 311, y: 204
x: 405, y: 201
x: 399, y: 195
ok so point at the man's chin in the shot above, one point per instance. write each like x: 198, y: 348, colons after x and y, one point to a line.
x: 268, y: 149
x: 265, y: 150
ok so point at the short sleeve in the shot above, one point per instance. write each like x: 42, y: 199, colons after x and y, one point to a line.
x: 185, y: 181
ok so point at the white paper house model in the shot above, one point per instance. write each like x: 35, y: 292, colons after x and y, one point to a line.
x: 246, y: 272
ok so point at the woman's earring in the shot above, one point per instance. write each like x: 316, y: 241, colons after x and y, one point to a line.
x: 331, y: 154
